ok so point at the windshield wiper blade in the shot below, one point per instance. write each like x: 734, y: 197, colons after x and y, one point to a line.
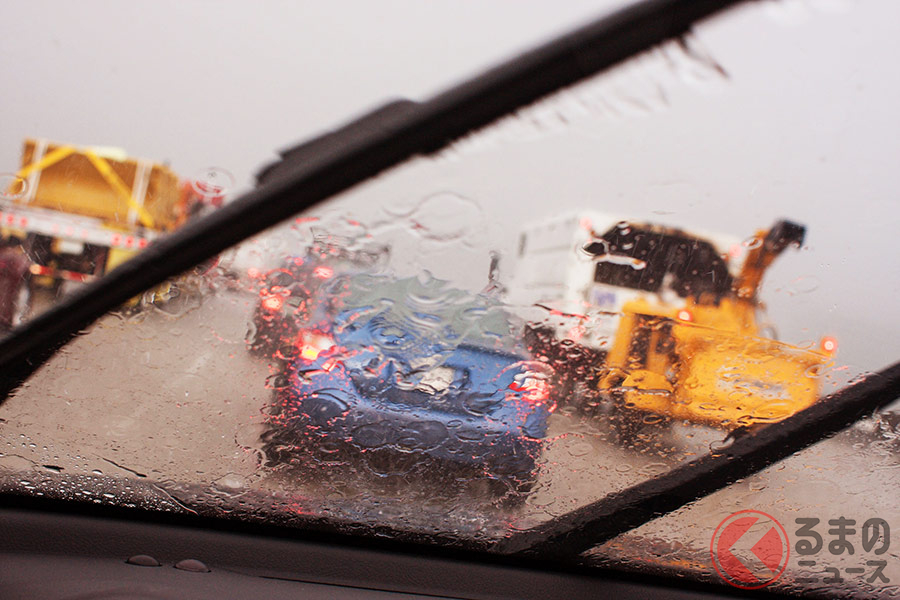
x: 353, y: 154
x: 579, y: 530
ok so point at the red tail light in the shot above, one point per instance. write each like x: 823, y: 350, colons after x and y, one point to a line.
x: 685, y: 315
x: 273, y: 303
x: 533, y: 388
x: 312, y: 344
x: 40, y: 270
x: 829, y: 345
x: 309, y: 352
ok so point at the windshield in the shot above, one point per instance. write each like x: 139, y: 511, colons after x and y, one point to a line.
x: 491, y: 346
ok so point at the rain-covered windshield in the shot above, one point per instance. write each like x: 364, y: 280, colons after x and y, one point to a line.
x: 490, y: 345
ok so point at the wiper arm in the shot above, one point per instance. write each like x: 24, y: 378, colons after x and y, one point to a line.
x: 579, y: 530
x: 353, y: 154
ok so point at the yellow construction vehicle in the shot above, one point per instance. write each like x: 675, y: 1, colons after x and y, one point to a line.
x: 77, y: 212
x: 702, y: 358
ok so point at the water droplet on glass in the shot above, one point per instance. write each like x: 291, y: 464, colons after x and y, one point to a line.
x: 231, y: 483
x: 653, y: 419
x: 213, y: 182
x: 445, y: 217
x: 718, y: 446
x: 693, y: 63
x: 752, y: 242
x: 804, y: 285
x: 192, y: 565
x: 12, y: 187
x: 143, y: 560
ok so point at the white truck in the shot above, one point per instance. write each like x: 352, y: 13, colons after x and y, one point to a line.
x: 586, y: 291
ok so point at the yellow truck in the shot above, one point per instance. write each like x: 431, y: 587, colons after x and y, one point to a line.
x: 78, y: 212
x: 679, y: 337
x: 704, y: 359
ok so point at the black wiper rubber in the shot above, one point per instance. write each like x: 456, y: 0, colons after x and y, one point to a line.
x: 577, y: 531
x: 352, y: 155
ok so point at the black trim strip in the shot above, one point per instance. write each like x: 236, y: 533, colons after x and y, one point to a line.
x: 354, y: 157
x: 76, y: 529
x: 583, y: 528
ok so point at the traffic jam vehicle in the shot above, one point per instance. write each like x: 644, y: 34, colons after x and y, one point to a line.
x: 78, y: 212
x: 665, y: 323
x: 291, y: 296
x: 383, y: 384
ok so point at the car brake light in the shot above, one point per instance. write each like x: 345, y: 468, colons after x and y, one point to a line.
x: 685, y: 315
x: 829, y: 344
x: 273, y: 303
x: 312, y: 345
x: 533, y: 388
x: 309, y: 352
x: 40, y: 270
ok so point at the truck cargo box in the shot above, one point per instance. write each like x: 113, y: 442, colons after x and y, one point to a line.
x: 123, y: 192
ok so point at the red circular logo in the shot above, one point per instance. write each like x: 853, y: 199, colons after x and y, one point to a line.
x: 750, y: 549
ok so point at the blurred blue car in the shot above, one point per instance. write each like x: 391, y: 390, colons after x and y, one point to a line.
x: 406, y: 390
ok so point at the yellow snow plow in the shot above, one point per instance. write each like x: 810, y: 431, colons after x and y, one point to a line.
x: 669, y: 362
x: 705, y: 359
